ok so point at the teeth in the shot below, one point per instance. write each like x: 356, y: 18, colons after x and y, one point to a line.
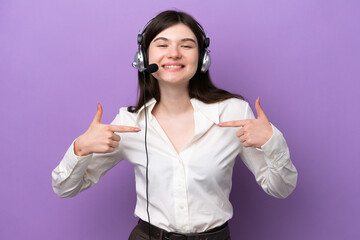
x: 172, y: 66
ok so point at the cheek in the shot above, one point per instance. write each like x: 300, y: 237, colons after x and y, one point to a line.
x: 150, y: 58
x: 195, y: 62
x: 194, y: 58
x: 153, y: 55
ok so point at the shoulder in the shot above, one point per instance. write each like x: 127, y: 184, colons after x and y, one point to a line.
x: 233, y: 104
x: 233, y: 108
x: 124, y: 117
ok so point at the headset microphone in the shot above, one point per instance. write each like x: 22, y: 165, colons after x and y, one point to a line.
x: 152, y: 68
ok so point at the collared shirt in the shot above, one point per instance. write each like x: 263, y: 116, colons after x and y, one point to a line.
x: 188, y: 191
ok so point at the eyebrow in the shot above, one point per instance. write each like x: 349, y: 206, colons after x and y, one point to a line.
x: 182, y: 40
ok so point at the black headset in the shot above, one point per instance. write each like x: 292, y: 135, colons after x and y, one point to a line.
x: 141, y: 60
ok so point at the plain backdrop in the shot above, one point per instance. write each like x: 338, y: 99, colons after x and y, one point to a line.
x: 59, y: 58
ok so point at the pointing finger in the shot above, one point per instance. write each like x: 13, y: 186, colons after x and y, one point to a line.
x: 98, y: 115
x: 116, y: 128
x: 239, y: 123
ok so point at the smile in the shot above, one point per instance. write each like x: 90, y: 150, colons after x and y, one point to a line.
x: 173, y: 66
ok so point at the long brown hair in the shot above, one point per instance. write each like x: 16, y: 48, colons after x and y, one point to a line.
x: 200, y: 85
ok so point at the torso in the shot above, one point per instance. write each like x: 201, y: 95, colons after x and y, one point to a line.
x: 179, y: 129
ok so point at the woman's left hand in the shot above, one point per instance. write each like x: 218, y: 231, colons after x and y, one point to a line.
x: 254, y: 132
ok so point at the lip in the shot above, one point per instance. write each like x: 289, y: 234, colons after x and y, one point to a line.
x: 173, y: 67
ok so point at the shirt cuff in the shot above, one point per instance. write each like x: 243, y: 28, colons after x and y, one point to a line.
x: 71, y: 160
x: 276, y: 150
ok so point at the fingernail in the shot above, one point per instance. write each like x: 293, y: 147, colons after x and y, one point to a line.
x: 137, y: 129
x: 219, y: 124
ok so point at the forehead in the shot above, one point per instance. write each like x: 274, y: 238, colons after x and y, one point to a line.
x: 177, y: 32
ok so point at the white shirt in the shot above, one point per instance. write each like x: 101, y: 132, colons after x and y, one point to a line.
x: 188, y: 191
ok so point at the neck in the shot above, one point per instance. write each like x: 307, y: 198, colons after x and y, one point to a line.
x: 174, y: 100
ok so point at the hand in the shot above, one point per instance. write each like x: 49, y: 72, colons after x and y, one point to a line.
x: 100, y: 138
x: 254, y: 132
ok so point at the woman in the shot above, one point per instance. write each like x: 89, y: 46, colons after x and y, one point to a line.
x: 195, y: 132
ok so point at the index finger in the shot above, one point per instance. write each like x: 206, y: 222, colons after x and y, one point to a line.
x: 116, y: 128
x: 238, y: 123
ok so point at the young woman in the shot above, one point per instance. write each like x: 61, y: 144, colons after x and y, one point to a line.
x: 194, y: 133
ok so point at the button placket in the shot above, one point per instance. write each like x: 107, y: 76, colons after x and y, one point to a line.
x: 180, y: 192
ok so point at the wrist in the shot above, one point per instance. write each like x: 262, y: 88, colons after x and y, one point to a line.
x: 79, y: 148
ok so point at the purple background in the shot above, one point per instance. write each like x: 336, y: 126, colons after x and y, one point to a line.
x: 59, y: 58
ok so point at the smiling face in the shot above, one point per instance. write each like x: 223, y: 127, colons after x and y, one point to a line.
x: 175, y: 50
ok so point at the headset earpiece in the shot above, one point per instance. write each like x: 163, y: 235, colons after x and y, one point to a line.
x: 205, y: 59
x: 140, y: 58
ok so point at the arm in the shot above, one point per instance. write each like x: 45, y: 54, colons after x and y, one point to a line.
x: 265, y: 153
x: 77, y: 173
x: 89, y: 157
x: 272, y: 166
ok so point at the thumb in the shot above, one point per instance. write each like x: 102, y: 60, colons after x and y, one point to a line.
x: 259, y: 111
x: 98, y: 115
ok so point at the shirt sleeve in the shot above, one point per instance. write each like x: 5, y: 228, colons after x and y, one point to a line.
x: 75, y: 174
x: 271, y: 165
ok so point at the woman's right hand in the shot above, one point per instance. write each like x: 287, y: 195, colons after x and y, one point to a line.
x: 100, y: 138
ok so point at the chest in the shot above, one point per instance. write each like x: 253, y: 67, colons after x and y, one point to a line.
x: 179, y: 129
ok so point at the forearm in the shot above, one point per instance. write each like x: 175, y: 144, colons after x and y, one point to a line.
x: 272, y: 166
x: 68, y: 177
x: 75, y: 174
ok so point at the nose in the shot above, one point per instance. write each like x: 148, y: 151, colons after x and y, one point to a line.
x: 174, y: 52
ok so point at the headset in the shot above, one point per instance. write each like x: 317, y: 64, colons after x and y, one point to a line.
x: 141, y: 59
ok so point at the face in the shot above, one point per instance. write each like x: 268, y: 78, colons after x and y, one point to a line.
x: 175, y: 50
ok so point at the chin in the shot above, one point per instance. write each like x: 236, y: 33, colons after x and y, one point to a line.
x: 176, y: 81
x: 171, y: 78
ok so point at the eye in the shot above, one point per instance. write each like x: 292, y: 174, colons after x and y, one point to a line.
x: 162, y: 45
x: 187, y: 46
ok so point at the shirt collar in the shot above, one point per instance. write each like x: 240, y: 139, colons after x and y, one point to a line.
x: 149, y: 105
x: 210, y: 111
